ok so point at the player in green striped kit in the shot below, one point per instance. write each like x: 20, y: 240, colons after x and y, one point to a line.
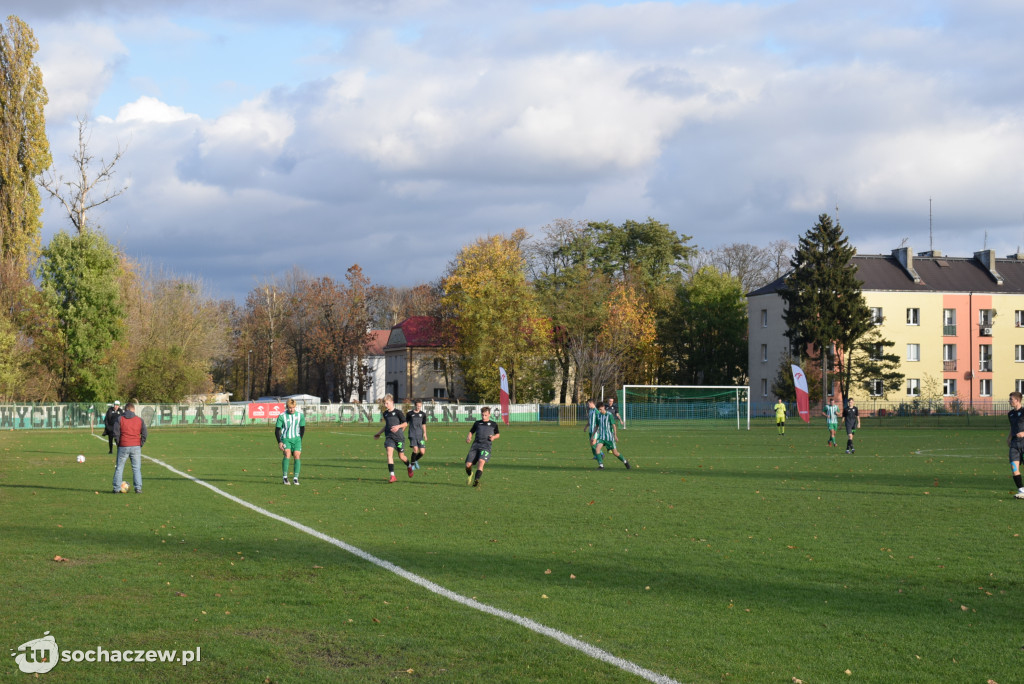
x: 291, y: 426
x: 831, y: 413
x: 602, y: 435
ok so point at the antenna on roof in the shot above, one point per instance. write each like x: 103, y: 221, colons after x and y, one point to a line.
x: 931, y: 241
x: 984, y: 245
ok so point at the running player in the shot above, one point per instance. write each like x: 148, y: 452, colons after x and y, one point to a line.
x: 603, y: 436
x: 481, y: 435
x: 417, y: 420
x: 589, y: 427
x: 394, y: 425
x: 290, y: 427
x: 831, y: 413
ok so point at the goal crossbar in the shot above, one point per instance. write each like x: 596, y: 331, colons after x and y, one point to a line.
x: 670, y: 402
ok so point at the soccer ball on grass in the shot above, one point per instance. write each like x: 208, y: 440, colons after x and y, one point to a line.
x: 81, y: 458
x: 124, y: 487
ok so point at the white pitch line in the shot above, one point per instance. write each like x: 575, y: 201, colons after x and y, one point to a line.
x: 561, y: 637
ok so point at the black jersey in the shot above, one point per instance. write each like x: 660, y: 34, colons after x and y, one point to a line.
x: 416, y: 420
x: 483, y: 429
x: 391, y: 419
x: 1016, y: 417
x: 850, y: 415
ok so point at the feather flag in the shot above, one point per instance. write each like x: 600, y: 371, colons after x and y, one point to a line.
x: 802, y: 402
x: 504, y: 394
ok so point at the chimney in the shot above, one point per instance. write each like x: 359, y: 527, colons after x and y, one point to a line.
x: 987, y: 259
x: 932, y: 254
x: 905, y: 256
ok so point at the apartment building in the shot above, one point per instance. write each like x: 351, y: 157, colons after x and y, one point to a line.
x: 957, y: 322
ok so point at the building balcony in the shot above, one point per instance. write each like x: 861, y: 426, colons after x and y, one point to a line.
x: 949, y: 366
x: 949, y: 330
x: 985, y: 366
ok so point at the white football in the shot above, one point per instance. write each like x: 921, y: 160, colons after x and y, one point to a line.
x: 81, y: 458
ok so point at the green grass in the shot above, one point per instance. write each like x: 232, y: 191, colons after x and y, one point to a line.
x: 722, y: 555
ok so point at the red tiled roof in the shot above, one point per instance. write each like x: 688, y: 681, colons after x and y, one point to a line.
x: 419, y: 331
x: 378, y: 340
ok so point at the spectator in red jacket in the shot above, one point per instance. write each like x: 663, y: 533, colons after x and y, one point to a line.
x: 130, y: 435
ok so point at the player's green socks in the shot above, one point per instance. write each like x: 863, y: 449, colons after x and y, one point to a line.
x: 621, y: 458
x: 600, y: 459
x: 298, y: 463
x: 284, y: 466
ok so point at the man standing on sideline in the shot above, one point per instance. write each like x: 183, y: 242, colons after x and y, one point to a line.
x: 394, y: 426
x: 831, y: 413
x: 130, y: 435
x: 417, y: 420
x: 1015, y: 441
x: 482, y: 434
x: 780, y: 416
x: 290, y: 428
x: 851, y: 418
x: 113, y: 413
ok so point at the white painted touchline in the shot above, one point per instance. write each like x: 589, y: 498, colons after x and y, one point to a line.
x: 561, y: 637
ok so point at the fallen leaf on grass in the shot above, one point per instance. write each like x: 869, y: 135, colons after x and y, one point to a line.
x: 548, y: 571
x: 572, y: 576
x: 60, y: 559
x: 797, y: 681
x: 178, y: 593
x: 544, y: 596
x: 375, y: 620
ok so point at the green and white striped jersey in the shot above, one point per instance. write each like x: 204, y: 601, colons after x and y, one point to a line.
x: 290, y: 424
x: 602, y: 429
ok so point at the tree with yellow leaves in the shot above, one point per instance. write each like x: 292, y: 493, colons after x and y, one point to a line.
x: 497, y: 318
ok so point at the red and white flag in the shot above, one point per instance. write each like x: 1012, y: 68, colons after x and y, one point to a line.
x: 803, y: 407
x: 504, y: 394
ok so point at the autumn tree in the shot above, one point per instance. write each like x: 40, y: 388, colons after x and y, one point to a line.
x: 624, y: 345
x: 24, y: 150
x: 752, y: 265
x: 81, y: 301
x: 783, y: 385
x: 871, y: 364
x: 261, y: 331
x: 498, y: 318
x: 824, y: 303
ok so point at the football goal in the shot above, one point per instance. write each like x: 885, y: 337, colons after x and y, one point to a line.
x: 697, y: 405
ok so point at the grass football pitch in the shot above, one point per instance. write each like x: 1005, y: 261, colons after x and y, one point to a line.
x: 722, y: 555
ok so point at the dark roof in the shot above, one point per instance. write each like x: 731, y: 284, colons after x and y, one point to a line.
x: 417, y: 331
x: 937, y: 274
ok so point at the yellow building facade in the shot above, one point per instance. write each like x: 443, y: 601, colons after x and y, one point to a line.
x: 957, y: 324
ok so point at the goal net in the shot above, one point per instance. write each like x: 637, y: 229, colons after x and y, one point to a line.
x: 686, y: 405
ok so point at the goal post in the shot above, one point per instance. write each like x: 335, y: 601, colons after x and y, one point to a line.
x: 709, y: 405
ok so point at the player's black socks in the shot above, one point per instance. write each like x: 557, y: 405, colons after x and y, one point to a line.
x: 1018, y: 480
x: 391, y: 468
x: 849, y: 444
x: 478, y: 474
x: 469, y: 470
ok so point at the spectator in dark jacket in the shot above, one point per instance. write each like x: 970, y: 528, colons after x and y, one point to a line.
x: 113, y: 413
x: 130, y: 434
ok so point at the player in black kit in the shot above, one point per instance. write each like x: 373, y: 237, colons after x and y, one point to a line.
x: 482, y: 435
x: 1015, y: 440
x: 417, y: 433
x: 394, y: 426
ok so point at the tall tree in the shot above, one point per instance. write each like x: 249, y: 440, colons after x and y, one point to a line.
x: 81, y: 194
x: 871, y: 360
x: 79, y: 285
x: 497, y: 315
x: 707, y: 341
x: 824, y: 303
x: 24, y: 150
x: 754, y: 266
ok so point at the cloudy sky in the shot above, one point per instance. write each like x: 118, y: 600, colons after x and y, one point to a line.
x: 265, y: 134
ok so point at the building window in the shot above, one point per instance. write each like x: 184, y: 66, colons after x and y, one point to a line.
x: 439, y: 365
x: 1018, y: 352
x: 764, y: 387
x: 948, y: 358
x: 1018, y: 318
x: 877, y: 350
x: 985, y: 388
x: 876, y: 315
x: 949, y: 322
x: 949, y: 387
x: 985, y: 317
x: 764, y: 318
x: 985, y: 357
x: 913, y: 387
x: 440, y: 393
x: 913, y: 352
x: 875, y: 388
x: 1019, y: 385
x: 764, y: 353
x: 913, y: 317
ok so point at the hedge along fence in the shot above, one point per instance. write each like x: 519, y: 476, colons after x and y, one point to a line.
x: 60, y: 416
